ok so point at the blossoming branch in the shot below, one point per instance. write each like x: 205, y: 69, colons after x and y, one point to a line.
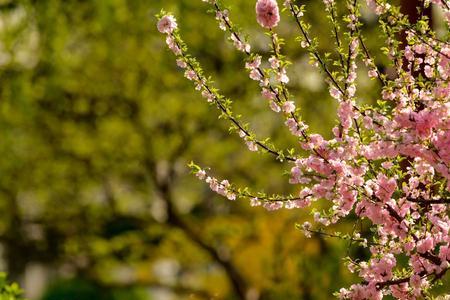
x: 387, y: 163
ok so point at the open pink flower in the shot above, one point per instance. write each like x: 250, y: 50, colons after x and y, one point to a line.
x: 167, y: 24
x: 267, y: 13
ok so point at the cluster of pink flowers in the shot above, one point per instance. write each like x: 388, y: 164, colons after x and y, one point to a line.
x: 221, y: 187
x: 387, y: 163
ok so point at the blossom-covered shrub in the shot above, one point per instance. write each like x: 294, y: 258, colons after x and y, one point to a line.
x: 387, y: 164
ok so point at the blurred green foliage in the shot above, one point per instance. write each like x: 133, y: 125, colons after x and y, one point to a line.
x: 97, y: 126
x: 9, y: 291
x: 75, y: 289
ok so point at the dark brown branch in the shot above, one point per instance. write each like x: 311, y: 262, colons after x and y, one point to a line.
x: 396, y: 281
x: 431, y: 201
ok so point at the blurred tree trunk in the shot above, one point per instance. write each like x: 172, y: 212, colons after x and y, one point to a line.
x: 409, y: 8
x: 13, y: 241
x: 174, y: 219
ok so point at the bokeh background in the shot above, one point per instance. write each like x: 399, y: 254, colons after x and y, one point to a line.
x: 97, y: 126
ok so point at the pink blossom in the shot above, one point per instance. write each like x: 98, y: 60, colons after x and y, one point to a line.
x: 425, y: 122
x: 293, y: 126
x: 255, y: 74
x: 409, y: 55
x: 231, y: 196
x: 167, y: 24
x: 282, y: 76
x: 273, y: 205
x: 190, y: 74
x: 318, y: 165
x: 335, y: 93
x: 239, y: 44
x: 302, y: 203
x: 400, y: 291
x: 268, y: 94
x: 170, y: 41
x: 415, y: 281
x: 444, y: 253
x: 387, y: 164
x: 274, y: 106
x: 222, y: 17
x: 181, y: 63
x: 425, y: 245
x: 255, y: 202
x: 442, y: 143
x: 385, y: 188
x: 420, y: 48
x: 428, y: 71
x: 255, y: 63
x: 372, y: 73
x: 208, y: 96
x: 345, y: 113
x: 351, y: 89
x: 252, y: 146
x: 267, y: 13
x: 201, y: 174
x: 444, y: 62
x: 274, y: 62
x: 316, y: 140
x: 288, y: 106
